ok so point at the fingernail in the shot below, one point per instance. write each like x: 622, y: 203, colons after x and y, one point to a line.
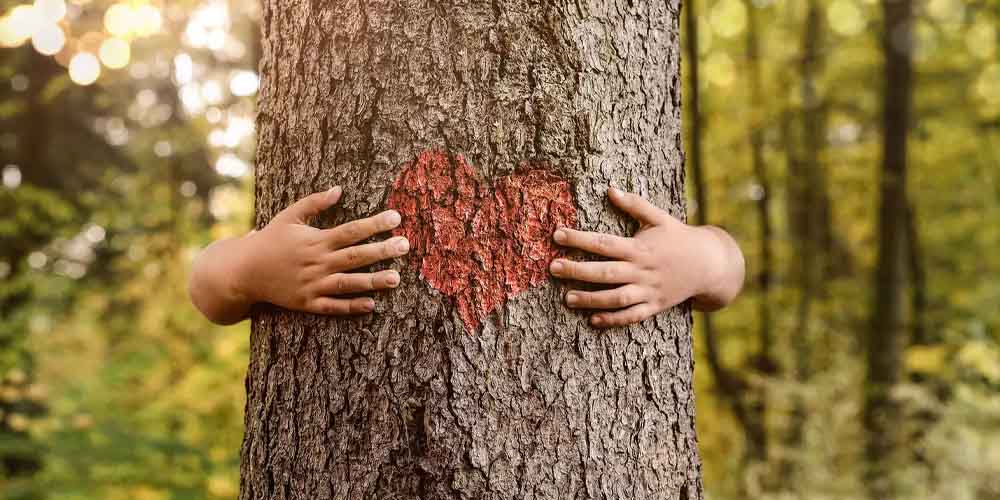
x: 334, y: 191
x: 369, y: 305
x: 556, y: 266
x: 596, y: 320
x: 572, y: 298
x: 393, y: 279
x: 393, y: 218
x: 559, y: 236
x: 402, y: 245
x: 615, y: 191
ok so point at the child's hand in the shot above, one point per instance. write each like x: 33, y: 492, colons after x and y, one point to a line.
x: 663, y: 264
x: 296, y: 266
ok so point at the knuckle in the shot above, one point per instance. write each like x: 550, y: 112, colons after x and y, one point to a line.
x: 623, y: 299
x: 570, y: 269
x: 340, y: 284
x: 603, y: 242
x: 354, y: 255
x: 608, y: 273
x: 353, y: 232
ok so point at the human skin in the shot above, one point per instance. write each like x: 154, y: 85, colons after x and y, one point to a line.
x: 299, y: 267
x: 663, y: 264
x: 291, y: 264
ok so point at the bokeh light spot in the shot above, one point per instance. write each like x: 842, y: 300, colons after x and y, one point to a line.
x: 115, y: 53
x: 48, y: 40
x: 50, y: 10
x: 183, y: 69
x: 243, y: 83
x: 118, y: 19
x: 231, y: 165
x: 37, y: 260
x: 981, y: 40
x: 728, y: 18
x: 719, y: 69
x: 11, y: 176
x: 147, y: 20
x: 19, y: 83
x: 18, y: 25
x: 946, y: 11
x: 845, y: 18
x: 84, y: 68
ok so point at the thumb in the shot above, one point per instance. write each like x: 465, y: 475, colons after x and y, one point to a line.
x: 638, y: 207
x: 300, y: 211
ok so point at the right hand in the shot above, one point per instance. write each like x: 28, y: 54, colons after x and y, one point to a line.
x: 296, y: 266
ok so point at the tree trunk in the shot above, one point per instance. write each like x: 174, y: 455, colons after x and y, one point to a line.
x: 887, y: 336
x: 470, y: 380
x: 762, y: 361
x: 917, y: 279
x: 809, y: 219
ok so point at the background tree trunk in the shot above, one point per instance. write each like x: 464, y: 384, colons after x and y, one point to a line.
x: 809, y: 215
x: 888, y: 324
x: 410, y: 402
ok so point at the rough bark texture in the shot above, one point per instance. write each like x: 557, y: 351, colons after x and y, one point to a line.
x: 409, y: 402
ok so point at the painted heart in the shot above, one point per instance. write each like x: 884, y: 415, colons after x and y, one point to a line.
x: 480, y: 244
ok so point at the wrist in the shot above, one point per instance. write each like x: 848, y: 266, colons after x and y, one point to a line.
x: 240, y: 268
x: 721, y: 267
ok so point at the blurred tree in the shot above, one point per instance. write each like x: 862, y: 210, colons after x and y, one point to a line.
x: 762, y: 360
x: 114, y: 386
x: 412, y: 401
x: 886, y: 340
x: 808, y: 206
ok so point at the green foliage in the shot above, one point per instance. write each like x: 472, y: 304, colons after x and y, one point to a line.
x: 952, y: 394
x: 112, y: 386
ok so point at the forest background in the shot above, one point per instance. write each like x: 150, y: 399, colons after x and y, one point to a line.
x: 126, y: 144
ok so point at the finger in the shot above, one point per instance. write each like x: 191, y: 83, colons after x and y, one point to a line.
x: 624, y: 317
x: 594, y: 272
x: 362, y: 229
x: 607, y: 245
x: 357, y: 256
x: 311, y: 205
x: 638, y: 207
x: 617, y: 298
x: 341, y: 307
x: 345, y: 283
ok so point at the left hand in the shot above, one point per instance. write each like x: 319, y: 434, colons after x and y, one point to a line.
x: 665, y: 263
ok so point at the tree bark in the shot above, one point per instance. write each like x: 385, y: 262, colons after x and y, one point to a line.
x: 888, y: 330
x: 415, y: 400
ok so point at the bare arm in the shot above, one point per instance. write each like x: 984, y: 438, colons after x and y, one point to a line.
x: 296, y: 266
x: 665, y: 263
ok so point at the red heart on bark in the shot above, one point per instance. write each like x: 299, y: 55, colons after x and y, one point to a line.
x: 480, y: 244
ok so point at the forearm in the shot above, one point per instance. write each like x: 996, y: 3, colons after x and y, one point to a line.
x: 214, y: 282
x: 723, y: 270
